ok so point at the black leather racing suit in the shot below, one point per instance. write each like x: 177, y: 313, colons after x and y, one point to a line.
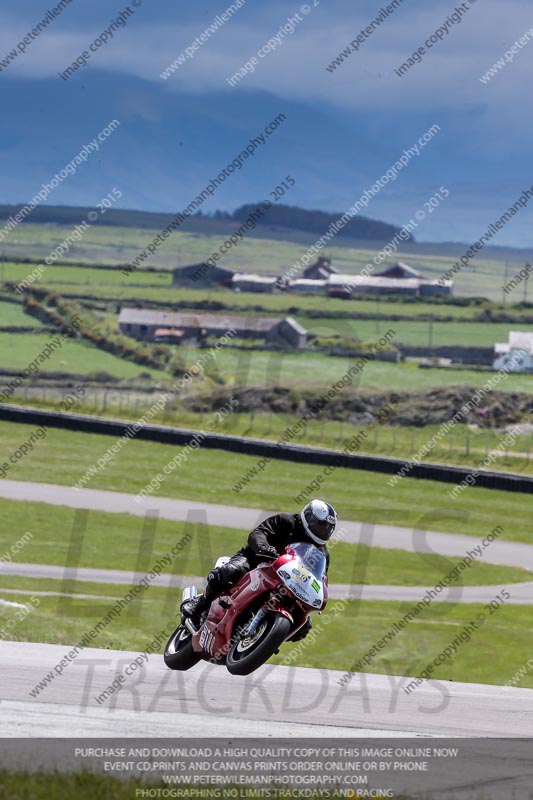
x: 277, y: 531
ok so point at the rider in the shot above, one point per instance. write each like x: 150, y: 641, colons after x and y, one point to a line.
x: 315, y: 523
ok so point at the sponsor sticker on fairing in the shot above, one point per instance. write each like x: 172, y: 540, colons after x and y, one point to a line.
x: 300, y: 576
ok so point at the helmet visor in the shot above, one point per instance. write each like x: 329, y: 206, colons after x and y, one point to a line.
x: 321, y: 528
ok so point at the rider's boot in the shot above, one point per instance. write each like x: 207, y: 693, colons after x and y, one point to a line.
x: 193, y: 608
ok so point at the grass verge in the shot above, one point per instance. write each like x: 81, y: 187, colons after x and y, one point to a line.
x: 213, y: 476
x: 57, y: 786
x: 494, y: 653
x: 465, y: 445
x: 88, y: 786
x: 120, y: 541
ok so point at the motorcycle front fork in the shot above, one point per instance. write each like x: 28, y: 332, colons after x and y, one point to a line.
x: 252, y: 627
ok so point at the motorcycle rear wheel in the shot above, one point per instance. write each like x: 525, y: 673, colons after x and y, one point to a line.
x: 179, y: 653
x: 245, y: 656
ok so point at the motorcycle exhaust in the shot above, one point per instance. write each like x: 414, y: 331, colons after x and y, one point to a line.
x: 191, y: 627
x: 188, y: 593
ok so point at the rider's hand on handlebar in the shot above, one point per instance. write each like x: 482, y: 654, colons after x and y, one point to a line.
x: 268, y: 551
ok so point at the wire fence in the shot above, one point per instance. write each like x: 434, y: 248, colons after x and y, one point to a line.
x: 467, y: 443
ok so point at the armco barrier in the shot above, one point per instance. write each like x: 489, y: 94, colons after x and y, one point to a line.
x: 509, y: 482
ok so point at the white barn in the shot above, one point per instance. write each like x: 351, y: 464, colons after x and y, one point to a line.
x: 516, y: 355
x: 308, y: 285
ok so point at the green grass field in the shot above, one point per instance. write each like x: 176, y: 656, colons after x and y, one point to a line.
x: 69, y: 278
x: 88, y: 786
x: 308, y: 369
x: 496, y: 651
x: 252, y: 367
x: 63, y: 786
x: 273, y: 304
x: 13, y: 314
x: 113, y: 285
x: 493, y: 655
x: 121, y: 541
x: 110, y: 285
x: 288, y: 368
x: 264, y: 250
x: 210, y: 475
x: 76, y: 357
x: 415, y: 332
x: 464, y: 445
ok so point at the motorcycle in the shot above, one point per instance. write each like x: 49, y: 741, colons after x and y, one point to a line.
x: 248, y: 622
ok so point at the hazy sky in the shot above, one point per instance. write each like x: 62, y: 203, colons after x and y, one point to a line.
x: 161, y: 29
x: 491, y: 124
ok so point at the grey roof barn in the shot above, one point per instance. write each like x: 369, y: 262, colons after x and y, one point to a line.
x: 143, y: 323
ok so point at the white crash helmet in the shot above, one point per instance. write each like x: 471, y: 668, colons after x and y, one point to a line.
x: 319, y: 520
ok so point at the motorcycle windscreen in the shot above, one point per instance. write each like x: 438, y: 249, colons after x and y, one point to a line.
x: 304, y: 572
x: 311, y: 557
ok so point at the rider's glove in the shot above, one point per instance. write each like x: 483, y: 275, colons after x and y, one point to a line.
x: 268, y: 551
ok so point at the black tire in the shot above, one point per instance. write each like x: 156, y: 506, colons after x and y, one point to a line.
x: 179, y: 653
x: 271, y: 633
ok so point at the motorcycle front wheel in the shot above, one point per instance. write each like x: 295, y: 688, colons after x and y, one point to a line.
x: 249, y: 653
x: 179, y: 653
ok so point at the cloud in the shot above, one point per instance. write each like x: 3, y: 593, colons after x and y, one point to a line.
x: 446, y: 79
x: 485, y: 137
x: 448, y: 75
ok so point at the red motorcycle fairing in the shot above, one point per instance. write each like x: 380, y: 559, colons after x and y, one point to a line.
x: 285, y: 558
x: 215, y: 635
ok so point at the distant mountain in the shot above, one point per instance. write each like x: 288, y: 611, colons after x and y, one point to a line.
x: 171, y: 144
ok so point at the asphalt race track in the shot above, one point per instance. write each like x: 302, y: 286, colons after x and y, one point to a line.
x: 521, y: 593
x: 275, y: 701
x: 208, y: 701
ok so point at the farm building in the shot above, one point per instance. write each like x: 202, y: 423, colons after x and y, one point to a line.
x: 320, y: 270
x: 516, y: 355
x: 399, y: 278
x: 248, y: 282
x: 177, y: 326
x: 318, y: 278
x: 427, y: 287
x: 349, y: 285
x: 203, y: 275
x: 399, y: 270
x: 440, y: 288
x: 308, y: 285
